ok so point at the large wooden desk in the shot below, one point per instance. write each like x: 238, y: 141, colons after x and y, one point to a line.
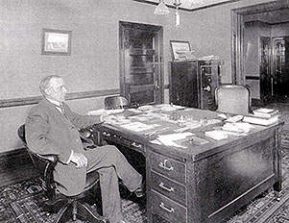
x: 201, y: 183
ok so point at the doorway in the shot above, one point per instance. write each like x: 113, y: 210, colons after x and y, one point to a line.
x: 141, y: 66
x: 260, y: 50
x: 280, y: 68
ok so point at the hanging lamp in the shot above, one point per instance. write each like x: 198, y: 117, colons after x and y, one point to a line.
x: 161, y: 9
x: 177, y: 4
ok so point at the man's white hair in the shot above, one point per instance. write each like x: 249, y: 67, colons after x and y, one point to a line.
x: 45, y: 83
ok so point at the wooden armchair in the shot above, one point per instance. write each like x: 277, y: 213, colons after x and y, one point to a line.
x: 66, y: 206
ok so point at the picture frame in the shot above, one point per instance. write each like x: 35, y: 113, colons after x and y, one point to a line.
x: 56, y: 42
x: 178, y: 48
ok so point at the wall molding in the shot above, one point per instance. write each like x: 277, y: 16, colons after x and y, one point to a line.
x: 13, y: 102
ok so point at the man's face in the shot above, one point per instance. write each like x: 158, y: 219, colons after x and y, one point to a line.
x: 57, y: 90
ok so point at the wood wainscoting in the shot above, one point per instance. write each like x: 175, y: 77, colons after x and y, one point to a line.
x: 16, y: 166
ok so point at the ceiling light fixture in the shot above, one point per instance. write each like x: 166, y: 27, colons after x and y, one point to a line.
x: 177, y: 4
x: 161, y: 9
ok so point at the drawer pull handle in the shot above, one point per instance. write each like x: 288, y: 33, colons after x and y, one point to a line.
x: 136, y: 145
x: 171, y: 189
x: 166, y: 165
x: 170, y: 210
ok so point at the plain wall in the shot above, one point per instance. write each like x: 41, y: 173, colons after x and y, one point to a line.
x: 94, y: 60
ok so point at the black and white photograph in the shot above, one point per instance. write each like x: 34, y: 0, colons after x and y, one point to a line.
x: 144, y: 111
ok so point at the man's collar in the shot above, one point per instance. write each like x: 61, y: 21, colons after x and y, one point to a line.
x: 57, y: 103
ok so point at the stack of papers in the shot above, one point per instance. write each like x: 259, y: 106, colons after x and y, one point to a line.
x: 238, y: 127
x: 170, y: 139
x: 217, y: 134
x: 265, y: 112
x: 105, y: 111
x: 138, y: 126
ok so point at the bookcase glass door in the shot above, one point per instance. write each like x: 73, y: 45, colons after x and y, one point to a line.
x: 141, y: 70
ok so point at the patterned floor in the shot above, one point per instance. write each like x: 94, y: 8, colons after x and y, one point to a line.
x: 23, y: 202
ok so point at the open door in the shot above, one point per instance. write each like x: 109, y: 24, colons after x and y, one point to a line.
x: 266, y: 91
x: 280, y: 69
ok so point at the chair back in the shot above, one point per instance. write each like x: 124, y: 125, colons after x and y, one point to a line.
x: 233, y: 99
x: 115, y: 102
x: 44, y: 164
x: 21, y: 133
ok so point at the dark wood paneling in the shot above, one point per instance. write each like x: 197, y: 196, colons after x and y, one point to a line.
x: 15, y: 166
x: 14, y: 158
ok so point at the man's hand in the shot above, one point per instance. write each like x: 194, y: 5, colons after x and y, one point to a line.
x: 107, y: 118
x: 79, y: 160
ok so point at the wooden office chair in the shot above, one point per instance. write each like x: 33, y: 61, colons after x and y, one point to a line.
x: 233, y: 99
x: 66, y: 206
x: 115, y: 102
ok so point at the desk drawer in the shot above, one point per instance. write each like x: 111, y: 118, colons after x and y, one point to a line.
x: 168, y: 167
x: 170, y: 189
x: 167, y: 208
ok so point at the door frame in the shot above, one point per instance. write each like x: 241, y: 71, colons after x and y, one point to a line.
x: 237, y: 35
x: 159, y: 46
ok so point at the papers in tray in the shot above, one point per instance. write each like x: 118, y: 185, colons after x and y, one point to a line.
x: 170, y: 139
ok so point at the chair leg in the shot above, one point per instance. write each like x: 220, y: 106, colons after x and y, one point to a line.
x: 55, y: 205
x: 64, y: 214
x: 85, y: 212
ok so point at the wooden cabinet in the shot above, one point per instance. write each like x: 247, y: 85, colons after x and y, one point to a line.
x: 141, y: 72
x: 193, y: 83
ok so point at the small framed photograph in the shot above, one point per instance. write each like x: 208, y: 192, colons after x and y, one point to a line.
x: 56, y: 42
x: 179, y: 49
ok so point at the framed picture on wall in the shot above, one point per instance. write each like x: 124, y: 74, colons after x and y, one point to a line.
x: 179, y: 49
x: 56, y: 42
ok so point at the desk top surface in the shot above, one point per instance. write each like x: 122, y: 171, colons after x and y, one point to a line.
x: 186, y: 132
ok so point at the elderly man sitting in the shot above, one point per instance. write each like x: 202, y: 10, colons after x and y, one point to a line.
x: 52, y: 129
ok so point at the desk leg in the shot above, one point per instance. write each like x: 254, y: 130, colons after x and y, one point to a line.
x: 277, y: 186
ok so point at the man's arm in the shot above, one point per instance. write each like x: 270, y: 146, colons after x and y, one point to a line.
x: 36, y: 128
x: 82, y: 121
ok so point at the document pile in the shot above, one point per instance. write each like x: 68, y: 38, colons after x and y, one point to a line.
x: 138, y: 126
x: 235, y: 128
x: 263, y: 116
x: 172, y: 139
